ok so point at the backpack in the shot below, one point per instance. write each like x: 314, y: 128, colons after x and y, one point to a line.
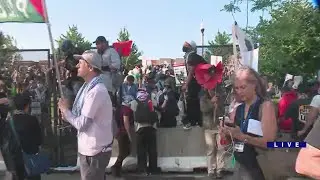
x: 143, y: 114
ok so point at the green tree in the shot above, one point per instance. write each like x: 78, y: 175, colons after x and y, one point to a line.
x: 131, y: 61
x: 80, y: 42
x: 220, y: 46
x: 263, y: 5
x: 290, y: 40
x: 231, y: 8
x: 7, y: 49
x: 222, y: 38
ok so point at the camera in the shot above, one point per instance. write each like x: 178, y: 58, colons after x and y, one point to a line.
x: 67, y: 50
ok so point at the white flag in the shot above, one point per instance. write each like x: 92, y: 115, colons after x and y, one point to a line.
x: 249, y: 56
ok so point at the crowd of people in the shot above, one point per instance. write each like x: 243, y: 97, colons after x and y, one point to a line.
x: 103, y: 105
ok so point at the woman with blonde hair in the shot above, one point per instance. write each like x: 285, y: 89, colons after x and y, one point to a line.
x: 254, y: 107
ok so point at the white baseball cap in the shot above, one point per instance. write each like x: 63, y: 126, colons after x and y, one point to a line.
x: 192, y: 44
x: 91, y: 57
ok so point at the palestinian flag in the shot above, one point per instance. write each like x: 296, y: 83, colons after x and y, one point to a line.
x: 22, y: 11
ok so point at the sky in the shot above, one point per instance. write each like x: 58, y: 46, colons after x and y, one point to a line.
x: 159, y: 28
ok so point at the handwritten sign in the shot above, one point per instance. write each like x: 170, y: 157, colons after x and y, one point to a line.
x: 180, y: 73
x: 303, y: 113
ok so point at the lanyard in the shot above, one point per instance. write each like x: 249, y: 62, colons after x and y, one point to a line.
x: 245, y: 120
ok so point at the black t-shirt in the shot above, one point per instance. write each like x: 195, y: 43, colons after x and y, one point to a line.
x: 294, y: 112
x: 29, y: 131
x: 193, y: 59
x: 313, y: 137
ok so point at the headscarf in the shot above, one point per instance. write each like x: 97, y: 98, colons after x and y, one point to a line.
x: 142, y: 95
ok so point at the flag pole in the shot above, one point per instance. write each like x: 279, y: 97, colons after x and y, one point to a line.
x: 52, y: 47
x: 235, y: 53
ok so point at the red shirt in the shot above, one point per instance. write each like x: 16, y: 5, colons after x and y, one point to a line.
x: 284, y: 103
x: 125, y: 111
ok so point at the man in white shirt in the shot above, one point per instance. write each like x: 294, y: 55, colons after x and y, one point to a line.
x: 92, y: 116
x: 111, y: 65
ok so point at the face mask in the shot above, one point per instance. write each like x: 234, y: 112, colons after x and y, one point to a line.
x: 185, y: 49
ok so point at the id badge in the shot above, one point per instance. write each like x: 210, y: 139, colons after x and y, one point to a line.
x: 239, y: 147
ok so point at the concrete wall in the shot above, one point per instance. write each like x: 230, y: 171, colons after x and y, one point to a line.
x: 178, y: 150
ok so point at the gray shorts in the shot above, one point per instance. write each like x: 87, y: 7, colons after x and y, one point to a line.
x: 94, y: 167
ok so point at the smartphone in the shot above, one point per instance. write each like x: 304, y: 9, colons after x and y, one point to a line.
x: 222, y: 119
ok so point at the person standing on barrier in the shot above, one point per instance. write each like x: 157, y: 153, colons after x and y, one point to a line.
x: 111, y: 64
x: 191, y: 86
x: 254, y: 107
x: 91, y: 115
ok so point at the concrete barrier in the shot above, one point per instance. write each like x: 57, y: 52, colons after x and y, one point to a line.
x: 179, y: 150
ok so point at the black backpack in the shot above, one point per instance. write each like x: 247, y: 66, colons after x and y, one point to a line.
x: 143, y: 114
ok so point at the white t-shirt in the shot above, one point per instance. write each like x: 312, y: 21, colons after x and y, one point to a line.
x: 98, y: 107
x: 315, y: 101
x: 110, y: 58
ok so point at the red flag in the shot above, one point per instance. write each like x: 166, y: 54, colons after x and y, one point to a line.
x: 123, y: 48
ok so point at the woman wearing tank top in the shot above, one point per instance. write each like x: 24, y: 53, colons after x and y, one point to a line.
x: 249, y: 87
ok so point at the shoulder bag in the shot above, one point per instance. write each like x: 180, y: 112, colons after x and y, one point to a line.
x: 35, y: 164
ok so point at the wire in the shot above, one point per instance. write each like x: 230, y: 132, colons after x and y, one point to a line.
x: 227, y: 150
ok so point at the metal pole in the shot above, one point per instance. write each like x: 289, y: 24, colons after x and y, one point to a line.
x: 52, y: 47
x: 202, y: 38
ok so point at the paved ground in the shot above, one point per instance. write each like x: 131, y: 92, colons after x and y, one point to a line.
x: 131, y: 177
x: 76, y: 176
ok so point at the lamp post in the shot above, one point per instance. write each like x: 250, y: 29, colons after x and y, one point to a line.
x: 202, y: 37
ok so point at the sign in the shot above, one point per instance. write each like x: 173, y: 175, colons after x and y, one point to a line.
x: 303, y: 112
x: 251, y: 59
x: 180, y: 73
x: 214, y: 60
x: 23, y: 11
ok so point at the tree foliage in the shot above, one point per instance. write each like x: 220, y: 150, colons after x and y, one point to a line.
x: 80, y: 42
x: 131, y: 61
x: 220, y: 46
x: 7, y: 49
x: 288, y: 39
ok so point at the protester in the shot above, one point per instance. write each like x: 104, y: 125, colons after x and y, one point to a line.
x: 191, y: 86
x: 214, y: 163
x: 168, y: 106
x: 145, y: 126
x: 124, y: 136
x: 252, y: 93
x: 298, y: 111
x: 312, y: 116
x: 28, y: 130
x: 129, y: 87
x: 271, y: 90
x: 288, y: 96
x: 111, y: 65
x: 91, y: 115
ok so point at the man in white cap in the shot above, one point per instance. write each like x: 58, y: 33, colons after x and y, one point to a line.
x: 92, y: 116
x: 192, y: 88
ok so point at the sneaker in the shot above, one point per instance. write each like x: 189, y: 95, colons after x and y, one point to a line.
x: 187, y: 126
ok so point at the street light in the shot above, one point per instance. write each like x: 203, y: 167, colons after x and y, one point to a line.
x: 202, y: 36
